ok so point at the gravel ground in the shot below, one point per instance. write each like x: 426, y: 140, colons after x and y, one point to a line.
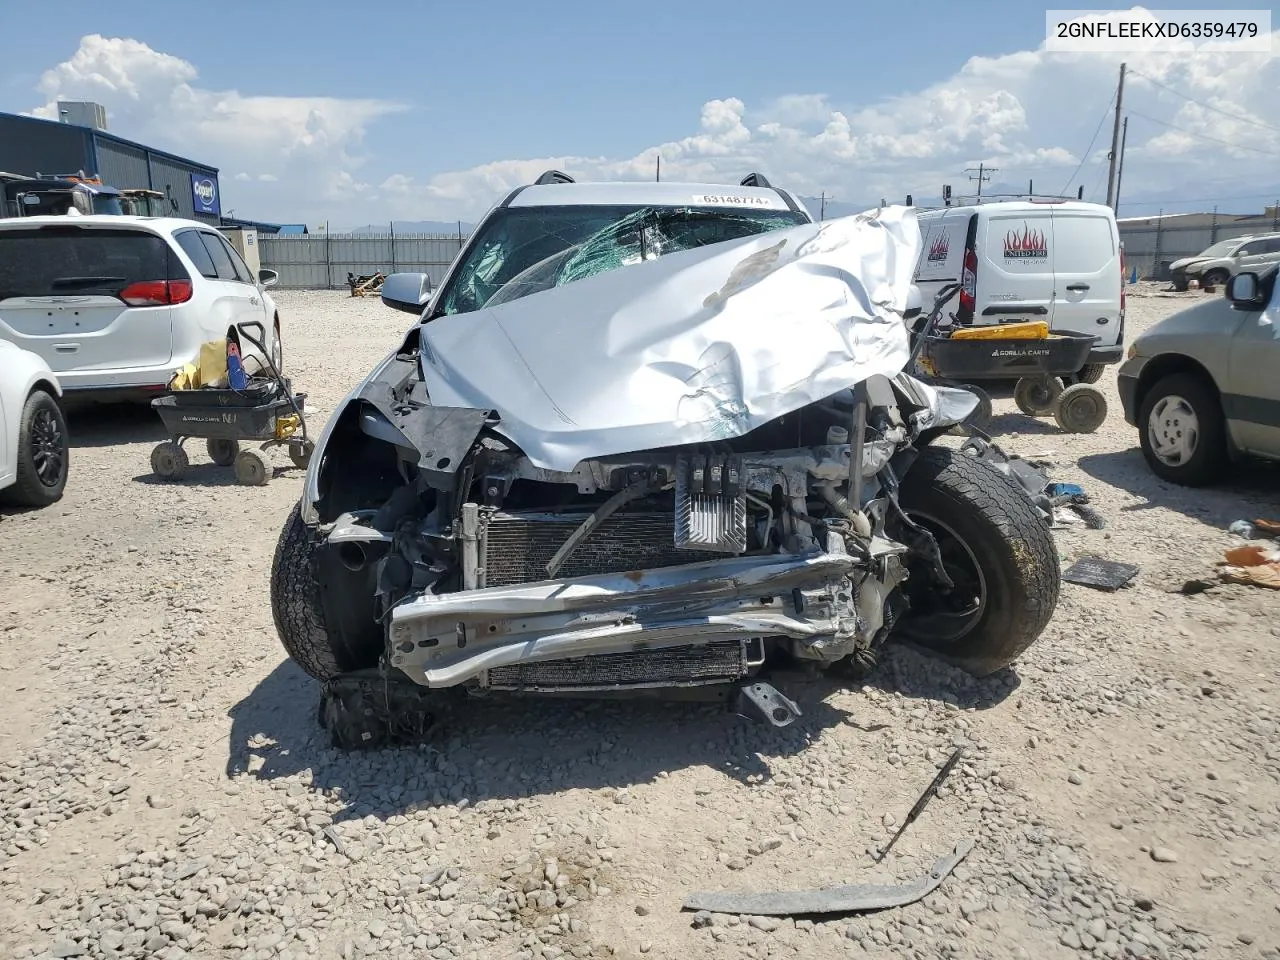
x: 166, y: 791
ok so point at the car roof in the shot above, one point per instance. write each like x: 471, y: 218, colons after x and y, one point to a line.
x: 1018, y: 206
x: 652, y: 193
x: 165, y: 225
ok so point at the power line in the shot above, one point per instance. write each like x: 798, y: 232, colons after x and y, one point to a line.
x: 1165, y: 203
x: 1089, y: 149
x: 1093, y: 191
x: 1200, y: 103
x: 1204, y: 136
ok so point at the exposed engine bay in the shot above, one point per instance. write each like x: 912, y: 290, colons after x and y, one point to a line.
x: 786, y: 519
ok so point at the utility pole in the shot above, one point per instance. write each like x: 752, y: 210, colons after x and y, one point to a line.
x: 657, y: 175
x: 984, y: 174
x: 1124, y: 135
x: 1115, y: 143
x: 822, y: 208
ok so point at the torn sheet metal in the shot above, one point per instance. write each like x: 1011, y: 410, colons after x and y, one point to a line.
x: 691, y: 347
x: 854, y: 898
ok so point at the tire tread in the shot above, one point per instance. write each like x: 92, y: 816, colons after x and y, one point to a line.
x: 1019, y: 533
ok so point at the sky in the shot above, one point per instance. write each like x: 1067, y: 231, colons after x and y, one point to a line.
x: 325, y: 111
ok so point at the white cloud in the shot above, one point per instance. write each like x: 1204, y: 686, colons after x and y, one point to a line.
x: 155, y: 98
x: 1030, y: 114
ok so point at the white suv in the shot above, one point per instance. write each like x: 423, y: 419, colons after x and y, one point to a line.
x: 115, y: 305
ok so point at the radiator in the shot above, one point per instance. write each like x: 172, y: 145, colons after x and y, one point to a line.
x: 689, y: 666
x: 518, y: 546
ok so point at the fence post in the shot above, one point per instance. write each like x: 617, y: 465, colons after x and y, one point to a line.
x: 328, y: 259
x: 1155, y: 264
x: 393, y: 246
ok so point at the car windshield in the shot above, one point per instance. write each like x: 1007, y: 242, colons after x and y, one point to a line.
x: 1221, y: 249
x: 525, y: 250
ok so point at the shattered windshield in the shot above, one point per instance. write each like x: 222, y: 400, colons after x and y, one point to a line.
x: 527, y: 250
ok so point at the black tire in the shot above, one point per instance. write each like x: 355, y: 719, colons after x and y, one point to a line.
x: 44, y: 454
x: 1082, y: 408
x: 1215, y: 278
x: 997, y: 549
x: 1181, y: 285
x: 277, y: 348
x: 298, y: 610
x: 300, y: 454
x: 1091, y: 373
x: 1037, y: 396
x: 252, y: 469
x: 1208, y: 460
x: 221, y: 451
x: 169, y: 460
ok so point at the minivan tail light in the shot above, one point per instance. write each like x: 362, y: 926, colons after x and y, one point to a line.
x: 968, y: 285
x: 156, y: 293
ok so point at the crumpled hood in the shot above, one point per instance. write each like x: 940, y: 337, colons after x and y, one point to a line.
x: 691, y: 347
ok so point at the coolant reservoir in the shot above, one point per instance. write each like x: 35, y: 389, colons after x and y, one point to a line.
x: 837, y: 435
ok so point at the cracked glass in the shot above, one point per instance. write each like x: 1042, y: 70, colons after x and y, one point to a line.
x: 527, y: 250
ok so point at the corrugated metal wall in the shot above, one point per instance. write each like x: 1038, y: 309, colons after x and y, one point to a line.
x: 31, y: 147
x: 121, y: 166
x: 174, y: 180
x: 317, y: 262
x: 1152, y: 248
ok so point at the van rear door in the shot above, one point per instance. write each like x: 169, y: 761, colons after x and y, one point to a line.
x: 63, y: 292
x: 1015, y: 267
x: 1086, y: 267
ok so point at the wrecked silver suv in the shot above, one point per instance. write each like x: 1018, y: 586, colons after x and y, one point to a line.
x: 650, y: 439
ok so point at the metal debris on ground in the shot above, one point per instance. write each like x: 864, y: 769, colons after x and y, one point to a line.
x: 370, y: 283
x: 929, y: 792
x: 854, y: 898
x: 1100, y: 574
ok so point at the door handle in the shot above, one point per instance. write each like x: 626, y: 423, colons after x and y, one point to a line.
x: 66, y: 347
x: 1077, y: 287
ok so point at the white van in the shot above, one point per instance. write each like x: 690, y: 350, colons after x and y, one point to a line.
x: 1040, y: 259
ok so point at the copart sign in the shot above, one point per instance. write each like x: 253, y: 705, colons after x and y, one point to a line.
x: 204, y: 194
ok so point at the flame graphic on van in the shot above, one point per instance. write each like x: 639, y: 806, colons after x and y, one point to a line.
x: 938, y: 249
x: 1029, y: 245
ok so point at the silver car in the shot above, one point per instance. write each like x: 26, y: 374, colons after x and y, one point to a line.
x: 1201, y: 385
x: 1225, y: 259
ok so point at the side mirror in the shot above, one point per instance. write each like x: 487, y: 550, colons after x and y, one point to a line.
x: 1244, y: 291
x: 406, y: 291
x: 268, y: 278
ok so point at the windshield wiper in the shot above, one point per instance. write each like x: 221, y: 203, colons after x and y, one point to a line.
x: 75, y: 283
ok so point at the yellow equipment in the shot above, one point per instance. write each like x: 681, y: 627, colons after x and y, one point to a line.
x: 1028, y: 330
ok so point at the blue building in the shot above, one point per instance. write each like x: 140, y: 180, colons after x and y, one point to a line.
x: 30, y: 146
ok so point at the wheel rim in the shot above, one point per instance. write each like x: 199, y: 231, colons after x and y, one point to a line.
x: 945, y: 618
x: 1082, y: 410
x: 277, y: 352
x: 1173, y: 430
x: 48, y: 447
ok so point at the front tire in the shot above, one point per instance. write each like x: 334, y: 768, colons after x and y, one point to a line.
x: 1214, y: 278
x: 1183, y: 431
x: 277, y: 349
x: 43, y: 454
x: 1091, y: 373
x: 298, y: 610
x: 995, y: 547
